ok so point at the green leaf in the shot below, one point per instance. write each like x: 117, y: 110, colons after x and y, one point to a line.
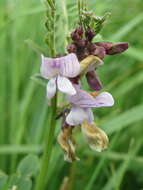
x: 125, y: 119
x: 3, y: 179
x: 19, y: 183
x: 28, y: 166
x: 136, y: 53
x: 39, y: 79
x: 115, y: 181
x: 129, y: 84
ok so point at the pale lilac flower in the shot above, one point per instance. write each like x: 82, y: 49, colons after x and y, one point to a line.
x: 82, y: 102
x: 58, y: 70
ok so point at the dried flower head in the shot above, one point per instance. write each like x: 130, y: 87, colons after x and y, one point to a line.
x: 67, y: 144
x: 95, y: 137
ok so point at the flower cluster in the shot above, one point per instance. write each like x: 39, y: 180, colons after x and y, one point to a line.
x: 64, y: 73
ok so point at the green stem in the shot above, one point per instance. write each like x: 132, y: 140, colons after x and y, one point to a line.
x: 49, y: 138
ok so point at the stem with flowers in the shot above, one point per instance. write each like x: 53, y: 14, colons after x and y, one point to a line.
x: 64, y: 73
x: 49, y: 137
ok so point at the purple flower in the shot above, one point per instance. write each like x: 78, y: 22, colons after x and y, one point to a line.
x: 58, y: 70
x: 82, y: 102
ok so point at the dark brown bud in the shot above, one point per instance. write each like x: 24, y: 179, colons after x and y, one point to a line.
x: 81, y: 43
x: 82, y: 53
x: 106, y: 45
x: 75, y: 37
x: 93, y: 80
x: 99, y: 52
x: 79, y: 30
x: 113, y: 48
x: 72, y: 48
x: 118, y: 48
x: 77, y: 34
x: 90, y: 33
x: 92, y: 47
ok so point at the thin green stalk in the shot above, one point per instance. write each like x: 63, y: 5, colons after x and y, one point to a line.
x: 65, y: 19
x: 79, y: 11
x: 49, y: 138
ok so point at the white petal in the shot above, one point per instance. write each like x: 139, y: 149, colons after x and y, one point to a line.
x: 65, y: 85
x: 70, y: 66
x: 78, y: 115
x: 51, y: 88
x: 104, y: 99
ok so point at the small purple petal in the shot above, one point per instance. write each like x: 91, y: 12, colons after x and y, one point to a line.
x: 93, y: 80
x: 81, y: 98
x: 49, y: 67
x: 65, y: 85
x: 78, y: 115
x: 69, y: 66
x: 51, y: 88
x: 85, y: 100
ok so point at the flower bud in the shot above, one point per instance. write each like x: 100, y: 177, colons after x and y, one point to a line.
x: 105, y: 45
x: 67, y: 144
x: 118, y: 48
x: 81, y: 43
x: 99, y: 52
x: 90, y: 33
x: 77, y: 34
x: 79, y: 30
x: 113, y: 48
x: 95, y: 137
x: 72, y: 48
x: 91, y: 47
x: 93, y: 80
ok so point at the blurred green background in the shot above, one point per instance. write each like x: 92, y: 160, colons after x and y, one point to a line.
x: 23, y: 105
